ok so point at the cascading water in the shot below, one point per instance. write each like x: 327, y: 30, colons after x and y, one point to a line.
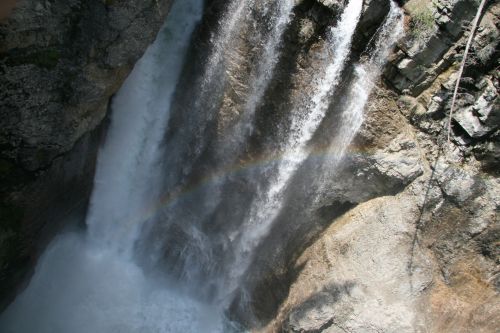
x: 126, y: 181
x: 143, y: 198
x: 228, y: 27
x: 306, y: 117
x: 92, y: 284
x: 366, y: 73
x: 197, y: 254
x: 263, y: 72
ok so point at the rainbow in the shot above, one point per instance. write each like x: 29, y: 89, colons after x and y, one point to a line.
x: 235, y: 169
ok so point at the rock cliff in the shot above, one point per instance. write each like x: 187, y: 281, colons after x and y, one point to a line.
x: 425, y: 257
x: 404, y: 240
x: 60, y: 62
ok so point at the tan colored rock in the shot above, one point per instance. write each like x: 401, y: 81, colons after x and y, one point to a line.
x: 372, y: 271
x: 355, y: 277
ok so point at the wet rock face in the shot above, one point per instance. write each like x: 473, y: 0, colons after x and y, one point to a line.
x: 406, y: 238
x: 384, y: 159
x: 416, y: 253
x: 372, y: 168
x: 60, y: 62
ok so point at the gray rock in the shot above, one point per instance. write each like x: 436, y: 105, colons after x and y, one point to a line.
x: 332, y: 4
x: 356, y: 275
x: 483, y: 117
x: 400, y: 160
x: 457, y: 183
x: 60, y: 62
x: 403, y: 263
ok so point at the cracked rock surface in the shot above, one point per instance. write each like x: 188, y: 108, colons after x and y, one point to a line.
x: 60, y: 62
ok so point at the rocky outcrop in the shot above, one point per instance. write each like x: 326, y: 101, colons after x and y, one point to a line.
x: 425, y: 69
x: 419, y: 252
x: 349, y: 282
x: 60, y: 62
x: 371, y: 272
x: 383, y: 161
x: 405, y: 238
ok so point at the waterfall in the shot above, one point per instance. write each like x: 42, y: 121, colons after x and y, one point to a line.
x: 306, y: 118
x: 264, y: 70
x: 227, y: 30
x: 92, y: 284
x: 189, y: 142
x: 366, y: 73
x: 197, y: 256
x: 128, y: 166
x: 168, y: 243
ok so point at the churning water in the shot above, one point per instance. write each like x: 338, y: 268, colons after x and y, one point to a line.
x: 96, y: 282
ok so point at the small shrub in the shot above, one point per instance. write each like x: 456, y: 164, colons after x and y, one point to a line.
x: 422, y: 24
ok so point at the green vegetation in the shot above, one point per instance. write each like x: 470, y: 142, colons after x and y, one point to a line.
x: 422, y: 23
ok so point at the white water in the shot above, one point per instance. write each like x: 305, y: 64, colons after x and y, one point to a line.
x: 365, y: 75
x: 276, y: 16
x: 260, y: 78
x: 128, y: 167
x: 223, y: 56
x: 91, y: 283
x: 227, y: 31
x: 276, y: 23
x: 78, y: 288
x: 305, y: 121
x: 263, y: 74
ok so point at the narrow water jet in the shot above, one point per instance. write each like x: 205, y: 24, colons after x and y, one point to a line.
x: 366, y: 73
x: 306, y: 117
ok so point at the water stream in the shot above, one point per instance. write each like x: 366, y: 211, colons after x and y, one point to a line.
x: 90, y: 283
x: 144, y: 200
x: 307, y: 115
x: 366, y: 72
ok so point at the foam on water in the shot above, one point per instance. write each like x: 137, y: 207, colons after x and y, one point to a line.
x: 80, y: 289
